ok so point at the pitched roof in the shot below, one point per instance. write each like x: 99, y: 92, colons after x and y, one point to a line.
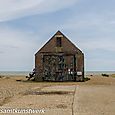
x: 59, y: 33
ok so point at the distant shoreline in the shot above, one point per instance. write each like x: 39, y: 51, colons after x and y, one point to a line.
x: 99, y: 72
x: 25, y: 73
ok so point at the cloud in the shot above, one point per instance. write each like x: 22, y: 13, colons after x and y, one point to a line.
x: 92, y: 31
x: 1, y: 52
x: 12, y: 9
x: 17, y: 49
x: 89, y: 26
x: 98, y: 44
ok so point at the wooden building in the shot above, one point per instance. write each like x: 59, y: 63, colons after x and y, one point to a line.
x: 59, y: 60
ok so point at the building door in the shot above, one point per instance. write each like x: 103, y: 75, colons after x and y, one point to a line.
x: 59, y: 67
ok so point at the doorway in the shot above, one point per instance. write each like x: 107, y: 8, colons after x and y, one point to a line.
x: 59, y: 67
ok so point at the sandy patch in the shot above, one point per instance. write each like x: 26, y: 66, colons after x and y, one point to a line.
x: 93, y: 97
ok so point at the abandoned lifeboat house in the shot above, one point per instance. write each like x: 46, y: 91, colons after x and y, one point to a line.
x: 59, y: 60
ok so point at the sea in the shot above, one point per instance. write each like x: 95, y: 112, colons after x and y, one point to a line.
x: 26, y: 73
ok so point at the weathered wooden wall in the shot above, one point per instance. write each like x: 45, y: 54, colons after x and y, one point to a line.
x: 50, y: 48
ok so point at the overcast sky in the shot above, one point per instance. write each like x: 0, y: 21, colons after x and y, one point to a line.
x: 25, y: 25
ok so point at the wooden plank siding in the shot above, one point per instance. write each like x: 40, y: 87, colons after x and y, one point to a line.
x: 60, y: 52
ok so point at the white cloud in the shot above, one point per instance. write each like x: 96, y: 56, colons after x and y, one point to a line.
x: 17, y: 49
x: 11, y: 9
x: 100, y: 44
x: 92, y: 31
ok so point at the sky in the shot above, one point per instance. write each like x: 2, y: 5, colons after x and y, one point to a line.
x: 26, y: 25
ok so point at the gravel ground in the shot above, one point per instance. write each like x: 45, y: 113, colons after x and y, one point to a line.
x: 93, y: 97
x: 95, y: 100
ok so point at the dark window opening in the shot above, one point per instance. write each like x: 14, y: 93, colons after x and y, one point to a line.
x: 58, y: 42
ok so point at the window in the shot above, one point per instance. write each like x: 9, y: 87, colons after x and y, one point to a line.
x: 58, y: 42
